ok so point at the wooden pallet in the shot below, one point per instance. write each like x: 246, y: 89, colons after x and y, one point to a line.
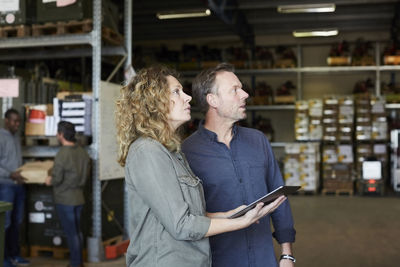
x: 284, y: 64
x: 15, y: 31
x: 364, y: 61
x: 41, y: 141
x: 110, y: 36
x: 391, y: 60
x: 57, y: 252
x: 337, y: 192
x: 73, y: 27
x: 338, y: 61
x: 62, y: 27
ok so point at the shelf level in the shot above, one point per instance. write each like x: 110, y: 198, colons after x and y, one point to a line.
x: 27, y: 54
x: 57, y: 40
x: 39, y: 151
x: 270, y: 107
x: 316, y: 69
x: 393, y: 106
x: 329, y: 69
x: 278, y: 144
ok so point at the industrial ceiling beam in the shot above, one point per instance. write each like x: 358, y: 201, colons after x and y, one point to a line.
x: 228, y: 12
x: 262, y: 4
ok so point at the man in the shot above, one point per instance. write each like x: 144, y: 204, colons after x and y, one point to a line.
x: 70, y: 172
x: 237, y: 166
x: 12, y: 187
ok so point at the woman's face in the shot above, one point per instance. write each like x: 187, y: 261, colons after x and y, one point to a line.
x: 179, y: 107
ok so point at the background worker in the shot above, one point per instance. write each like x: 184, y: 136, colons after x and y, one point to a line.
x: 12, y: 187
x: 70, y: 172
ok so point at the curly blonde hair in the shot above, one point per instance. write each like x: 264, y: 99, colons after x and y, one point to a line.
x: 142, y: 110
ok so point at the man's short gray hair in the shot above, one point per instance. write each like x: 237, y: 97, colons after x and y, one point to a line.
x: 204, y: 84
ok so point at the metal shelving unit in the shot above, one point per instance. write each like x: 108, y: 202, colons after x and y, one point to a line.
x: 94, y: 40
x: 270, y: 107
x: 278, y: 144
x: 57, y: 53
x: 393, y: 106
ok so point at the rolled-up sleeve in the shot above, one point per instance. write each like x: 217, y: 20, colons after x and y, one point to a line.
x: 152, y: 174
x: 282, y: 217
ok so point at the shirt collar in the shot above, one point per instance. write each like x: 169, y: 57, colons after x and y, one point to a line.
x: 210, y: 134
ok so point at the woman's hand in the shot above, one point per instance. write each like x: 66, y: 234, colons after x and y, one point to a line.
x: 221, y: 224
x: 260, y: 211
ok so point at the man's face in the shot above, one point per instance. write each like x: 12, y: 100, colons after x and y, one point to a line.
x: 231, y: 98
x: 12, y: 123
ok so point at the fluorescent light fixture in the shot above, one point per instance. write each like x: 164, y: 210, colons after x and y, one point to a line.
x: 315, y: 33
x: 307, y: 8
x: 183, y: 14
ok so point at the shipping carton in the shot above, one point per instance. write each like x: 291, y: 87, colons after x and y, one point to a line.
x: 36, y: 172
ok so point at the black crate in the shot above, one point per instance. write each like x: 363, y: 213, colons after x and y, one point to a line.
x: 49, y: 12
x: 43, y: 225
x: 43, y: 228
x: 23, y: 14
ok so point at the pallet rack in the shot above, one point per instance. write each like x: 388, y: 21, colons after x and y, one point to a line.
x: 93, y: 39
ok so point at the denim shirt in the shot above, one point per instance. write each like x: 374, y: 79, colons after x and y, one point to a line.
x: 237, y: 176
x: 167, y: 218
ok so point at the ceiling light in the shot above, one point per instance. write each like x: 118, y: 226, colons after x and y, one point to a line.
x: 307, y: 8
x: 314, y: 33
x: 183, y: 14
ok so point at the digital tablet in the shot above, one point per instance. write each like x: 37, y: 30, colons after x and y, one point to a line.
x: 268, y: 198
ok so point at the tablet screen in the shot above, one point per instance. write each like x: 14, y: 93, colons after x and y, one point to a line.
x: 268, y: 198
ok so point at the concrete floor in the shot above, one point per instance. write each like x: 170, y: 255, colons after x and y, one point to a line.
x: 346, y: 231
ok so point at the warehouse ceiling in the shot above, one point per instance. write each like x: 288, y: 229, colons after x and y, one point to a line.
x: 249, y: 18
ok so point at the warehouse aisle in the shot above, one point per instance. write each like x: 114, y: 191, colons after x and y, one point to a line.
x: 346, y: 231
x: 331, y: 231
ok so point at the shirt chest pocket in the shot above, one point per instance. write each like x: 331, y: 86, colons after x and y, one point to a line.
x: 192, y: 193
x: 258, y: 175
x: 188, y: 180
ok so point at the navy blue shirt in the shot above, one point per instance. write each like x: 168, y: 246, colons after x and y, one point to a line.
x: 237, y: 176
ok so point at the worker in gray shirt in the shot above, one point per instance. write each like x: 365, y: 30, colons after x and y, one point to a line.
x: 11, y: 187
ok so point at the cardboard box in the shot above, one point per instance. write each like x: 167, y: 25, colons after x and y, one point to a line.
x: 34, y: 129
x: 338, y: 61
x: 36, y: 171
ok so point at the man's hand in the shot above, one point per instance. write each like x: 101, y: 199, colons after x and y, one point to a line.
x: 260, y: 210
x: 286, y: 263
x: 48, y: 180
x: 231, y: 212
x: 17, y: 177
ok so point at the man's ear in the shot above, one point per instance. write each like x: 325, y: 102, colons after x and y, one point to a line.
x: 212, y: 100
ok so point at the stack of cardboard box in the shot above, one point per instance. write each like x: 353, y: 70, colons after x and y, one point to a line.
x: 346, y: 119
x: 337, y: 168
x: 308, y: 118
x: 315, y: 117
x: 301, y: 121
x: 330, y: 118
x: 301, y: 165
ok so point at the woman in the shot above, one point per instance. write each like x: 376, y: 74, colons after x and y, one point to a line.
x: 168, y: 222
